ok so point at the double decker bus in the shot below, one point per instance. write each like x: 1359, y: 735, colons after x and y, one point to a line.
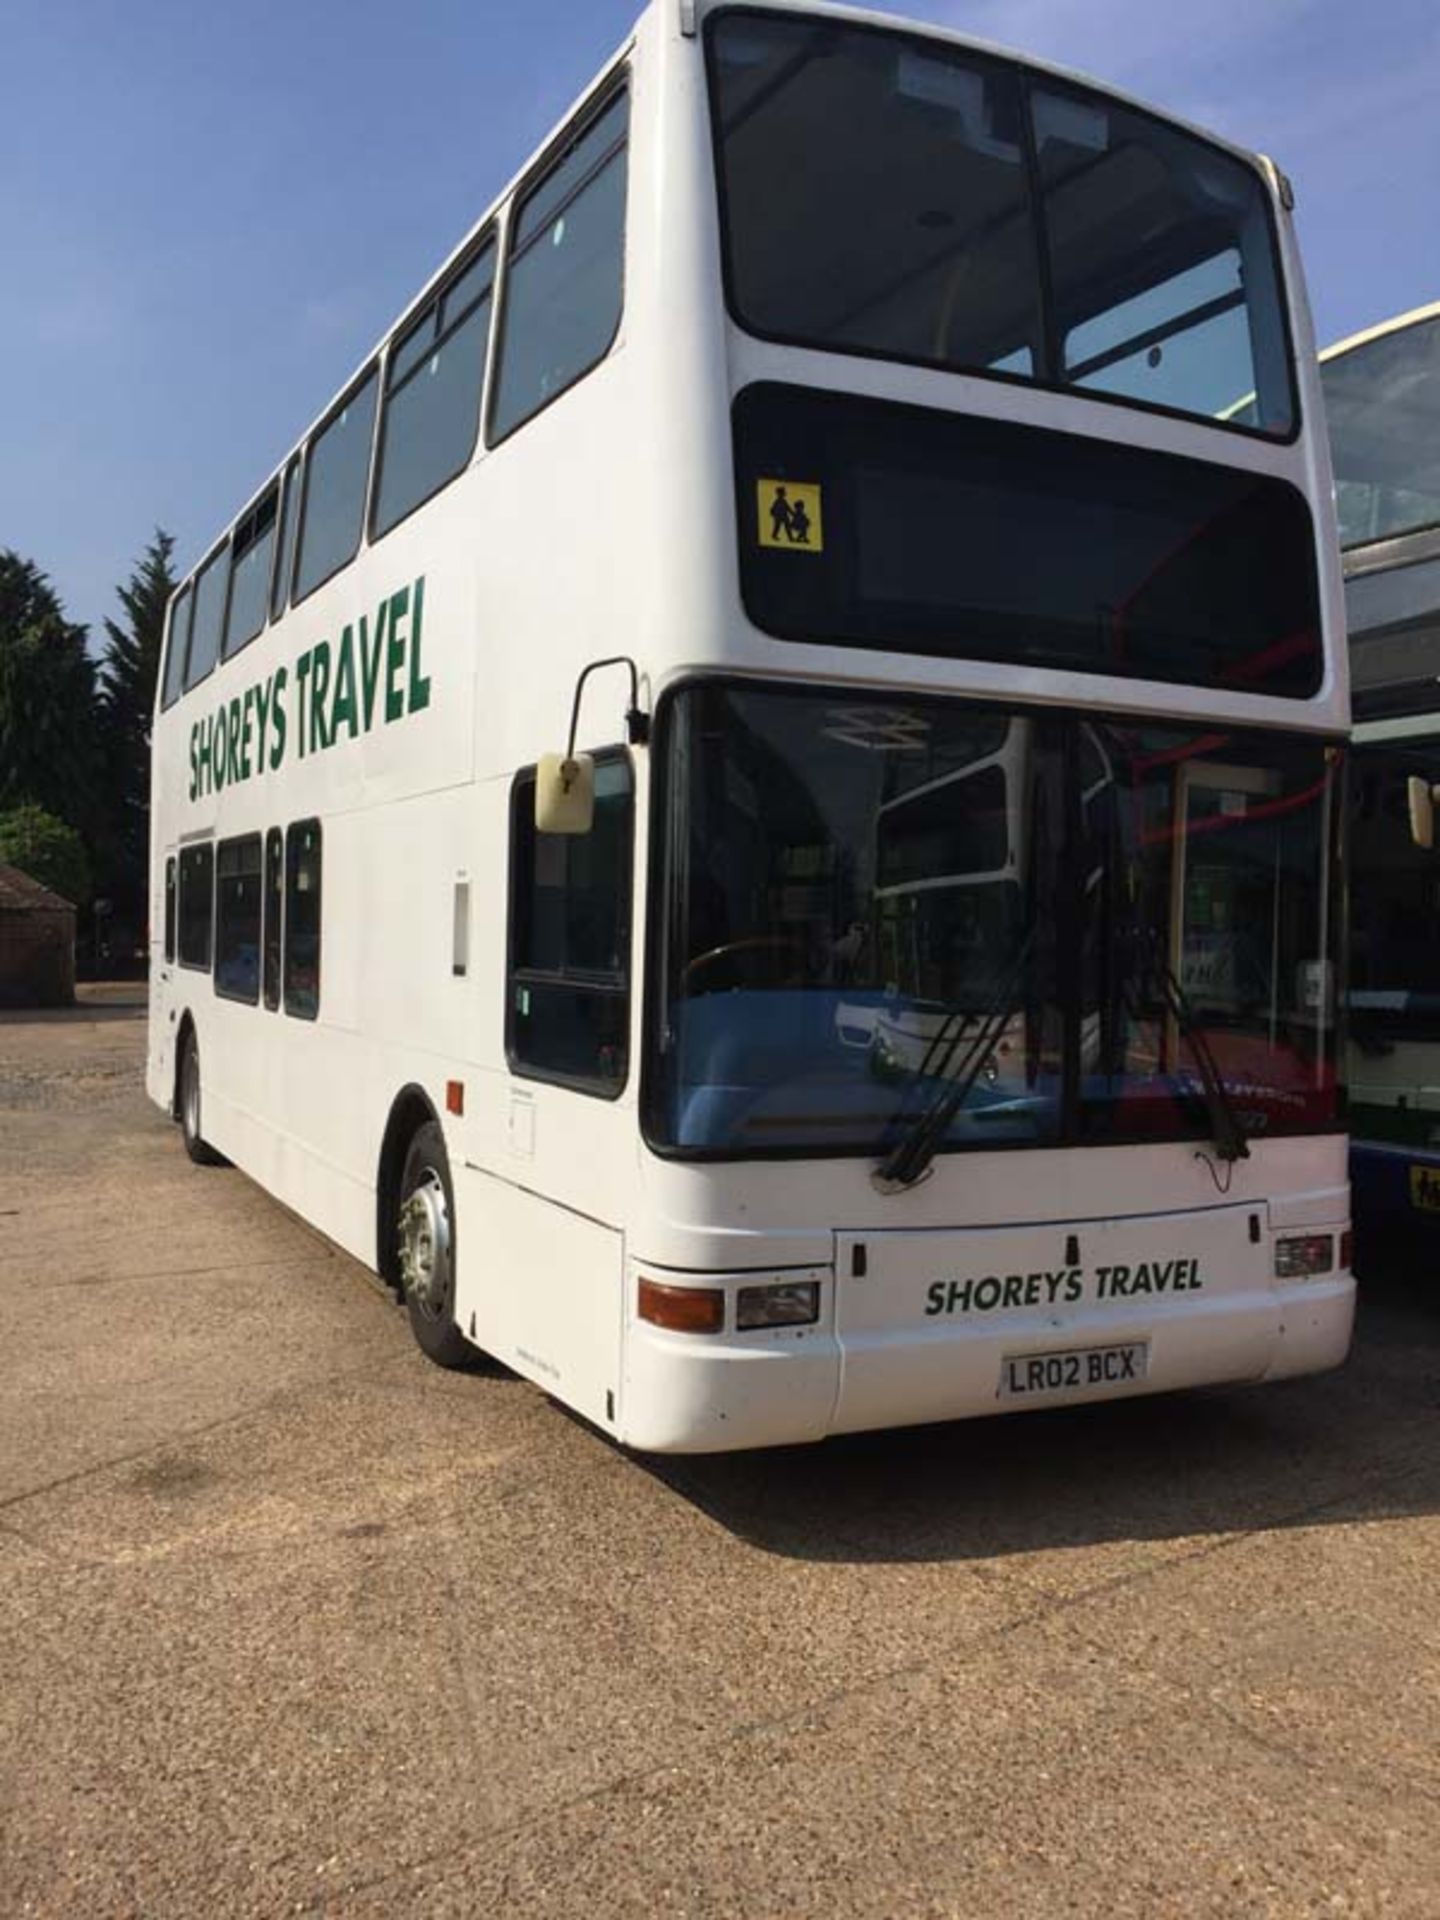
x: 816, y: 472
x: 1382, y: 398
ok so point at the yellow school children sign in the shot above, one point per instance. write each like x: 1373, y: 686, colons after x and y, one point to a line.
x: 790, y: 516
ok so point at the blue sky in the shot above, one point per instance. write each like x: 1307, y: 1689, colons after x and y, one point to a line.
x: 210, y: 213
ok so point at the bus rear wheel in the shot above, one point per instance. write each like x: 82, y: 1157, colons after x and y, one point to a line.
x: 425, y: 1250
x: 196, y: 1145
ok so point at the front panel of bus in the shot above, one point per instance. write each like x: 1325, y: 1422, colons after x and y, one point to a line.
x: 991, y: 1032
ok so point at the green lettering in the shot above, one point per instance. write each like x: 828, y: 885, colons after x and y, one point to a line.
x: 302, y: 673
x: 246, y: 723
x: 419, y: 685
x: 194, y: 762
x: 935, y: 1297
x: 370, y: 660
x: 232, y: 726
x: 277, y: 717
x: 220, y: 765
x: 262, y: 714
x: 319, y: 687
x: 395, y: 655
x: 344, y: 703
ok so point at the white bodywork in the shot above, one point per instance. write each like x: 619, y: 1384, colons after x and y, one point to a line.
x: 607, y: 525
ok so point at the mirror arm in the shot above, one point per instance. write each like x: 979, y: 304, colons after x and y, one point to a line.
x: 637, y: 722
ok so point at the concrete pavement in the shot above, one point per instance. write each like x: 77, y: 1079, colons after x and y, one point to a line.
x: 291, y: 1622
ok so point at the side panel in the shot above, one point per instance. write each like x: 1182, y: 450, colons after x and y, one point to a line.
x: 539, y: 1288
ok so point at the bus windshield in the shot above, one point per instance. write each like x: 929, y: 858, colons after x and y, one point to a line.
x: 1382, y: 403
x: 853, y: 886
x: 894, y: 195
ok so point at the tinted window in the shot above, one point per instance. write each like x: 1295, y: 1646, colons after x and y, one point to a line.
x: 886, y: 194
x: 1382, y: 405
x: 289, y: 517
x: 569, y: 1007
x: 170, y: 908
x: 175, y: 657
x: 302, y: 919
x: 432, y: 400
x: 334, y: 492
x: 912, y: 239
x: 1162, y: 265
x: 209, y: 612
x: 563, y: 290
x: 274, y: 912
x: 252, y: 552
x: 1154, y: 567
x: 237, y: 918
x: 197, y: 900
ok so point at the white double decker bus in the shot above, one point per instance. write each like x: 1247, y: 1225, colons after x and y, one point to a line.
x: 818, y: 471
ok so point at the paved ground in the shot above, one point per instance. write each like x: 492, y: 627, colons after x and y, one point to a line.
x: 290, y: 1622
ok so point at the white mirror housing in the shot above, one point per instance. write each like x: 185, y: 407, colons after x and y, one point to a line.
x: 564, y: 793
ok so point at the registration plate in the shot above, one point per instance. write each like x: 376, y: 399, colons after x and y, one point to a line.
x: 1077, y: 1370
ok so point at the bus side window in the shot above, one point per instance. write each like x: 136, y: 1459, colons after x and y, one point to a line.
x: 274, y: 897
x: 302, y: 919
x: 332, y: 500
x: 237, y: 918
x: 197, y: 905
x: 565, y: 277
x: 179, y: 645
x: 568, y: 985
x: 170, y: 910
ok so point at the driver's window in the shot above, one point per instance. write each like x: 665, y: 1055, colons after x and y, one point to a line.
x: 568, y: 981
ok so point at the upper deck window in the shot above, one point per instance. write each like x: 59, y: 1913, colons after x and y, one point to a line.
x: 888, y: 195
x: 334, y: 495
x: 1382, y: 402
x: 565, y: 279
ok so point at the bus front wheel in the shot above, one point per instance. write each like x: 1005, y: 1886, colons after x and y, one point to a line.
x: 196, y: 1145
x: 425, y: 1249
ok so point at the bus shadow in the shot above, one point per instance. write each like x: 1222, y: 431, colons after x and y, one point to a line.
x: 1361, y: 1442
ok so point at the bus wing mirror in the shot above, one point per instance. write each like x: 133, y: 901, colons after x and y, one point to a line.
x: 1422, y: 811
x: 564, y: 793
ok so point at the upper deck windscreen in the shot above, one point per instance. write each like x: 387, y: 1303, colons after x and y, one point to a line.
x: 891, y: 195
x: 1382, y: 402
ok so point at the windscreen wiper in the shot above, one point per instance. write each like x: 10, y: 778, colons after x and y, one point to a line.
x: 909, y: 1160
x: 1231, y: 1142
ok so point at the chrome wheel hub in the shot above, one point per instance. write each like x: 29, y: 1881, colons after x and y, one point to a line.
x: 425, y: 1245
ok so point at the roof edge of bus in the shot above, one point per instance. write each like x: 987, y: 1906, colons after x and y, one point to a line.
x: 533, y: 159
x: 997, y: 49
x: 1397, y: 324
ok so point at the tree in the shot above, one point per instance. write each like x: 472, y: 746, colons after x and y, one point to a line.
x: 127, y: 702
x: 48, y: 738
x: 48, y: 850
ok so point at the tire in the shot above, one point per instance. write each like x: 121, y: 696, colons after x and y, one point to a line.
x: 196, y: 1145
x: 425, y: 1250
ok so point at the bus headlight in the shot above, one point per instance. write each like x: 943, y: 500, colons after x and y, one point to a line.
x: 787, y: 1303
x: 1300, y: 1255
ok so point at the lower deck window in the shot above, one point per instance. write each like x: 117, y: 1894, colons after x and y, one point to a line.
x: 568, y: 1015
x: 237, y: 918
x: 197, y: 905
x: 302, y: 919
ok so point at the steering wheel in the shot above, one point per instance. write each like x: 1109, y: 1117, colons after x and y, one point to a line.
x: 753, y: 943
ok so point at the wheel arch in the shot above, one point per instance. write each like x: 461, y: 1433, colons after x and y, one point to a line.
x: 411, y: 1109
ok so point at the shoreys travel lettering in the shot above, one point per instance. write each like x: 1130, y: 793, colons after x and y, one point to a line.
x: 1064, y: 1286
x: 328, y: 694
